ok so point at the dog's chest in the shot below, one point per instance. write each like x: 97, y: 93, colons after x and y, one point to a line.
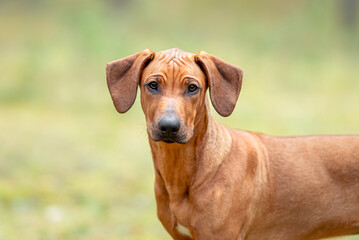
x: 181, y: 211
x: 183, y: 230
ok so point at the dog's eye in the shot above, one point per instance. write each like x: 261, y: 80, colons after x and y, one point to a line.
x: 153, y: 86
x: 192, y: 88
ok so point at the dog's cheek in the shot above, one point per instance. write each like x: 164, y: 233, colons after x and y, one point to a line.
x: 149, y: 116
x: 189, y: 133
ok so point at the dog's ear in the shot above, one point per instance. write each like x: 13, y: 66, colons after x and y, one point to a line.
x: 224, y: 81
x: 123, y: 77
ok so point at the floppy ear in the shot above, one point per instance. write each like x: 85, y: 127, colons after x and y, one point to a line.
x: 224, y: 80
x: 123, y: 77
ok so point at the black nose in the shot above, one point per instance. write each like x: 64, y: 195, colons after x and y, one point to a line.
x: 169, y: 126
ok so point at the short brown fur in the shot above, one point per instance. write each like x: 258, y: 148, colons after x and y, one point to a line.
x: 222, y: 183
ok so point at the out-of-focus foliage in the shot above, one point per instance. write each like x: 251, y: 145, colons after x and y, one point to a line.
x: 71, y: 167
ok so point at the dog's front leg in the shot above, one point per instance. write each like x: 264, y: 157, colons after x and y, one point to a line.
x: 164, y: 213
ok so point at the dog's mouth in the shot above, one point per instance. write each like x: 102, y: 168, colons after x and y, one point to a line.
x: 181, y: 138
x: 167, y: 139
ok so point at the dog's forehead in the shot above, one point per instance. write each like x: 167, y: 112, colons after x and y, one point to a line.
x: 173, y: 63
x: 174, y: 53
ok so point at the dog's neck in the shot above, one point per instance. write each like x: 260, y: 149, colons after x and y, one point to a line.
x: 184, y: 167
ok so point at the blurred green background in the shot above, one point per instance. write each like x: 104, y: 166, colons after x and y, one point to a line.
x: 71, y: 167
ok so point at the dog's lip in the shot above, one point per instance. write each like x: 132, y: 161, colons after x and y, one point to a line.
x: 169, y: 140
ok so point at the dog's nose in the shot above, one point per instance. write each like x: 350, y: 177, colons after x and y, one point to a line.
x: 169, y: 126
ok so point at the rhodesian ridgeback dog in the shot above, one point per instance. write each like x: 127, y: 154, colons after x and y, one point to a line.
x: 214, y: 182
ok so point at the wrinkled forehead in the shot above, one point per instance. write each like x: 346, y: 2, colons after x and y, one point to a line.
x: 173, y: 64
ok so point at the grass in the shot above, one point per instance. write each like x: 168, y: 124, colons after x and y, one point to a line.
x: 71, y: 167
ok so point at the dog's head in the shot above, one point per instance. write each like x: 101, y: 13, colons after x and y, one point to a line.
x: 173, y: 87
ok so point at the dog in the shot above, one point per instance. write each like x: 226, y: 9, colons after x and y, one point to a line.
x: 214, y: 182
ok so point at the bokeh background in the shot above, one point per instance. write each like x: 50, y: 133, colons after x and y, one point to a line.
x: 71, y: 167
